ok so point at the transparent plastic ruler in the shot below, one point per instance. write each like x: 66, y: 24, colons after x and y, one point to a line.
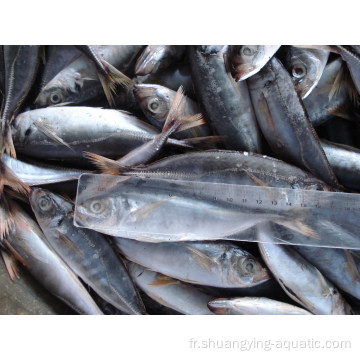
x: 155, y: 210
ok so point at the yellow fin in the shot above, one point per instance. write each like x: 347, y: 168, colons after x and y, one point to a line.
x: 202, y: 259
x: 11, y: 265
x: 162, y: 280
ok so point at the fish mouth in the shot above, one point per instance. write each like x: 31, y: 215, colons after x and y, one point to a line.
x: 219, y: 306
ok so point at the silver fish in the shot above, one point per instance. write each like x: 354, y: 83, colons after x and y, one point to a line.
x: 212, y: 263
x: 26, y: 239
x: 305, y: 67
x: 34, y: 173
x: 79, y: 81
x: 254, y: 306
x: 247, y: 60
x: 169, y: 292
x: 86, y: 252
x: 303, y: 282
x: 66, y: 132
x: 155, y: 58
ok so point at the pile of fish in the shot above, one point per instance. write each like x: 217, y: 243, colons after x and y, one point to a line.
x: 271, y: 116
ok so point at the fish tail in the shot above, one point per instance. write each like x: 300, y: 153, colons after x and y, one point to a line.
x: 6, y: 219
x: 110, y: 79
x: 191, y: 121
x: 6, y: 142
x: 343, y: 81
x: 11, y: 265
x: 105, y: 165
x: 9, y: 178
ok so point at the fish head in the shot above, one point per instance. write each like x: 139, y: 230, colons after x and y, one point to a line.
x: 247, y: 60
x: 22, y: 129
x: 148, y: 62
x: 98, y: 210
x: 246, y: 269
x: 306, y: 67
x: 48, y: 207
x: 220, y: 306
x: 155, y: 101
x: 264, y: 79
x: 65, y: 88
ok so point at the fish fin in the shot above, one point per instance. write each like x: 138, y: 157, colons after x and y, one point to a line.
x: 105, y: 165
x: 144, y: 211
x: 8, y: 143
x: 15, y: 254
x: 11, y: 265
x: 64, y: 240
x: 109, y: 81
x: 45, y: 127
x: 202, y: 259
x: 256, y: 180
x: 162, y: 280
x: 16, y: 195
x: 351, y: 265
x: 342, y: 81
x: 6, y: 219
x: 175, y: 109
x: 342, y: 111
x: 191, y: 121
x: 9, y: 178
x: 203, y: 142
x: 326, y: 290
x: 298, y: 226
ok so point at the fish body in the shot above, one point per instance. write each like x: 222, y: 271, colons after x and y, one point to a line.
x: 230, y: 167
x: 20, y: 68
x: 184, y: 298
x: 254, y: 306
x: 212, y: 263
x: 319, y: 104
x: 86, y: 252
x: 57, y: 58
x: 345, y: 160
x: 285, y: 123
x: 26, y: 238
x: 160, y: 212
x: 111, y: 133
x: 34, y: 173
x: 338, y: 265
x: 227, y: 105
x: 303, y: 282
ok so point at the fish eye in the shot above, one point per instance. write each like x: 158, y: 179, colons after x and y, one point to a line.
x: 247, y: 51
x: 55, y: 97
x: 44, y: 203
x: 97, y: 207
x: 154, y: 105
x: 249, y: 265
x: 298, y: 71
